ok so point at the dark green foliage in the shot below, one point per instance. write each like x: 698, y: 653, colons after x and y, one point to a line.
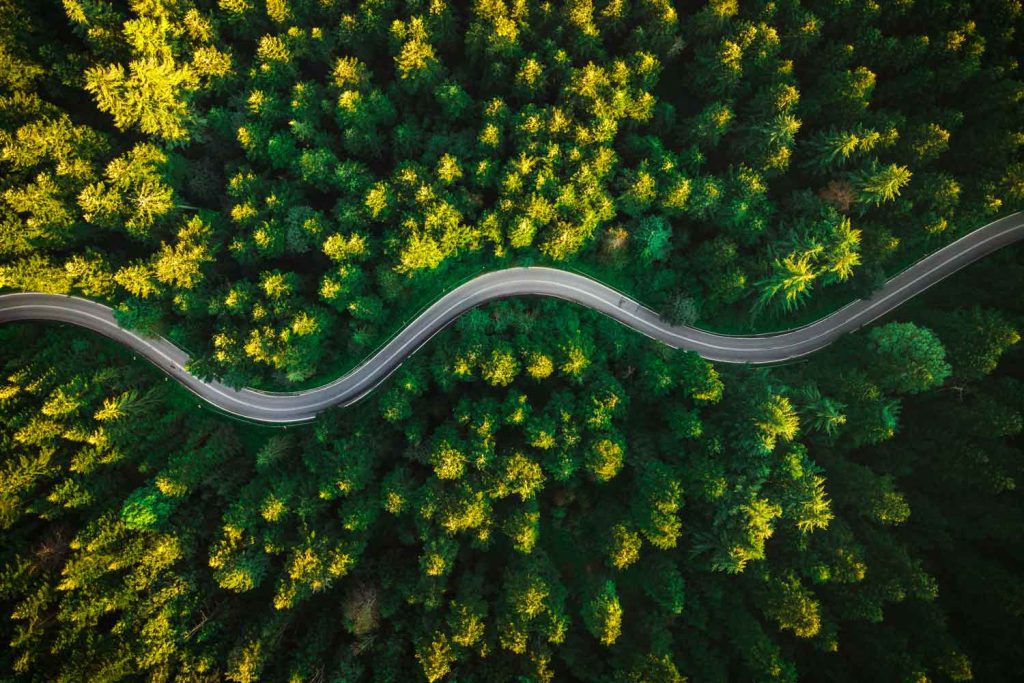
x: 540, y: 494
x: 906, y: 358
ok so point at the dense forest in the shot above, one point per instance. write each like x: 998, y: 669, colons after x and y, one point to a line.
x: 539, y: 494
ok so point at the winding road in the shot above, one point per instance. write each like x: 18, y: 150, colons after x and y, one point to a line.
x: 300, y: 406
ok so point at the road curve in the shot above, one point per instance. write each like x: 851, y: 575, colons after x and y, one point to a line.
x: 292, y: 407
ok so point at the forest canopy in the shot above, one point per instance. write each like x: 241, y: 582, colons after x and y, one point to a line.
x: 277, y: 186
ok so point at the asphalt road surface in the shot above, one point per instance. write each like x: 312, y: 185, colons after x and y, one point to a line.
x: 300, y: 406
